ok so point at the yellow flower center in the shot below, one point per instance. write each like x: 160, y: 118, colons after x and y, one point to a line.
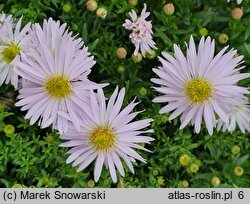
x: 198, y: 90
x: 103, y: 138
x: 58, y: 87
x: 10, y: 52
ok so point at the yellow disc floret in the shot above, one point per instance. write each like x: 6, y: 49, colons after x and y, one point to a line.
x: 103, y: 138
x: 58, y: 87
x: 10, y: 52
x: 198, y: 90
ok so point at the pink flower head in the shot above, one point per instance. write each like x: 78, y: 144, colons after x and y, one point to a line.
x: 51, y: 83
x: 49, y: 32
x: 199, y: 85
x: 141, y: 35
x: 239, y: 115
x: 14, y: 41
x: 107, y: 135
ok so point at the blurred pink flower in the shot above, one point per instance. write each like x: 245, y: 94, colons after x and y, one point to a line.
x: 239, y: 115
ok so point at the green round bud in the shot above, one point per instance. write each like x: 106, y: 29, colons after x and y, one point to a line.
x: 194, y: 168
x: 215, y: 181
x: 120, y: 69
x: 164, y: 119
x: 185, y: 183
x: 155, y: 172
x: 203, y: 32
x: 197, y: 162
x: 143, y: 91
x: 238, y: 171
x: 184, y: 159
x: 91, y: 183
x: 223, y: 38
x: 75, y: 27
x: 66, y: 8
x: 106, y: 182
x: 235, y: 149
x: 50, y: 138
x: 160, y: 181
x: 152, y: 55
x: 17, y: 185
x: 137, y: 58
x: 9, y: 129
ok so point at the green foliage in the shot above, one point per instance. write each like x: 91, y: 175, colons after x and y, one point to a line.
x: 31, y: 156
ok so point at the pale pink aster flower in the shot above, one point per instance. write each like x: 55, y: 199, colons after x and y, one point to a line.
x: 50, y: 84
x: 49, y: 32
x: 238, y: 1
x: 239, y: 115
x: 14, y: 41
x: 141, y: 35
x: 5, y: 19
x: 107, y: 135
x: 199, y: 85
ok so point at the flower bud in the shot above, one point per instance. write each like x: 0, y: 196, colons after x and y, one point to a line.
x: 238, y: 171
x: 120, y: 69
x: 185, y: 183
x: 155, y: 172
x: 184, y: 159
x: 215, y: 181
x: 91, y: 183
x: 197, y: 162
x: 121, y: 53
x: 91, y: 5
x: 143, y: 91
x: 235, y: 149
x: 161, y: 181
x: 49, y: 138
x: 194, y: 168
x: 101, y: 12
x: 9, y: 129
x: 106, y: 182
x: 237, y: 13
x: 203, y: 32
x: 133, y: 2
x: 66, y: 8
x: 17, y: 185
x: 152, y: 55
x: 137, y: 58
x: 164, y: 119
x: 75, y: 27
x: 223, y: 38
x: 169, y: 9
